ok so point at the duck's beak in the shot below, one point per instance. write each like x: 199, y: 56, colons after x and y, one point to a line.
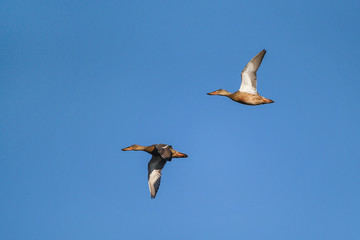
x: 127, y: 149
x: 177, y: 154
x: 213, y: 93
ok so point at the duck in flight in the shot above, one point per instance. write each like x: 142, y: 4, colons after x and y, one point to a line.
x: 161, y: 153
x: 247, y: 93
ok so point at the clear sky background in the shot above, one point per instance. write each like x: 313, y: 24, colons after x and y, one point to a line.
x: 79, y: 80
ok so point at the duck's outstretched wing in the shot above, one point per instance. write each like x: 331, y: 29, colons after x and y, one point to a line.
x: 248, y: 75
x: 164, y: 151
x: 155, y: 166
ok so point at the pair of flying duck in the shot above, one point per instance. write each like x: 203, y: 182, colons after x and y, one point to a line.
x: 161, y: 153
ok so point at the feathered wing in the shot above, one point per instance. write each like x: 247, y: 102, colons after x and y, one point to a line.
x: 164, y: 151
x: 155, y: 166
x: 248, y: 75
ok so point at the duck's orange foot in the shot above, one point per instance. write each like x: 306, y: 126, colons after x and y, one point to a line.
x: 268, y: 100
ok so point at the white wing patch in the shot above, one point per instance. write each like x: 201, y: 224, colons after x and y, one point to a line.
x: 248, y: 75
x: 154, y: 182
x: 248, y: 82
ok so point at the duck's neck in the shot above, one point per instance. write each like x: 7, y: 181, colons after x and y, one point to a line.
x: 148, y: 149
x: 225, y: 93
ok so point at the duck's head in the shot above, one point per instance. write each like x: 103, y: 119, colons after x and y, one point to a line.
x: 220, y: 92
x: 134, y: 147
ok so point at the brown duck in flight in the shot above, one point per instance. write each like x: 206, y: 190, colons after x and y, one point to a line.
x: 161, y: 153
x: 247, y: 93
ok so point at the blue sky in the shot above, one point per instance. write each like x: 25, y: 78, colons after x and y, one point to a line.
x: 82, y: 79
